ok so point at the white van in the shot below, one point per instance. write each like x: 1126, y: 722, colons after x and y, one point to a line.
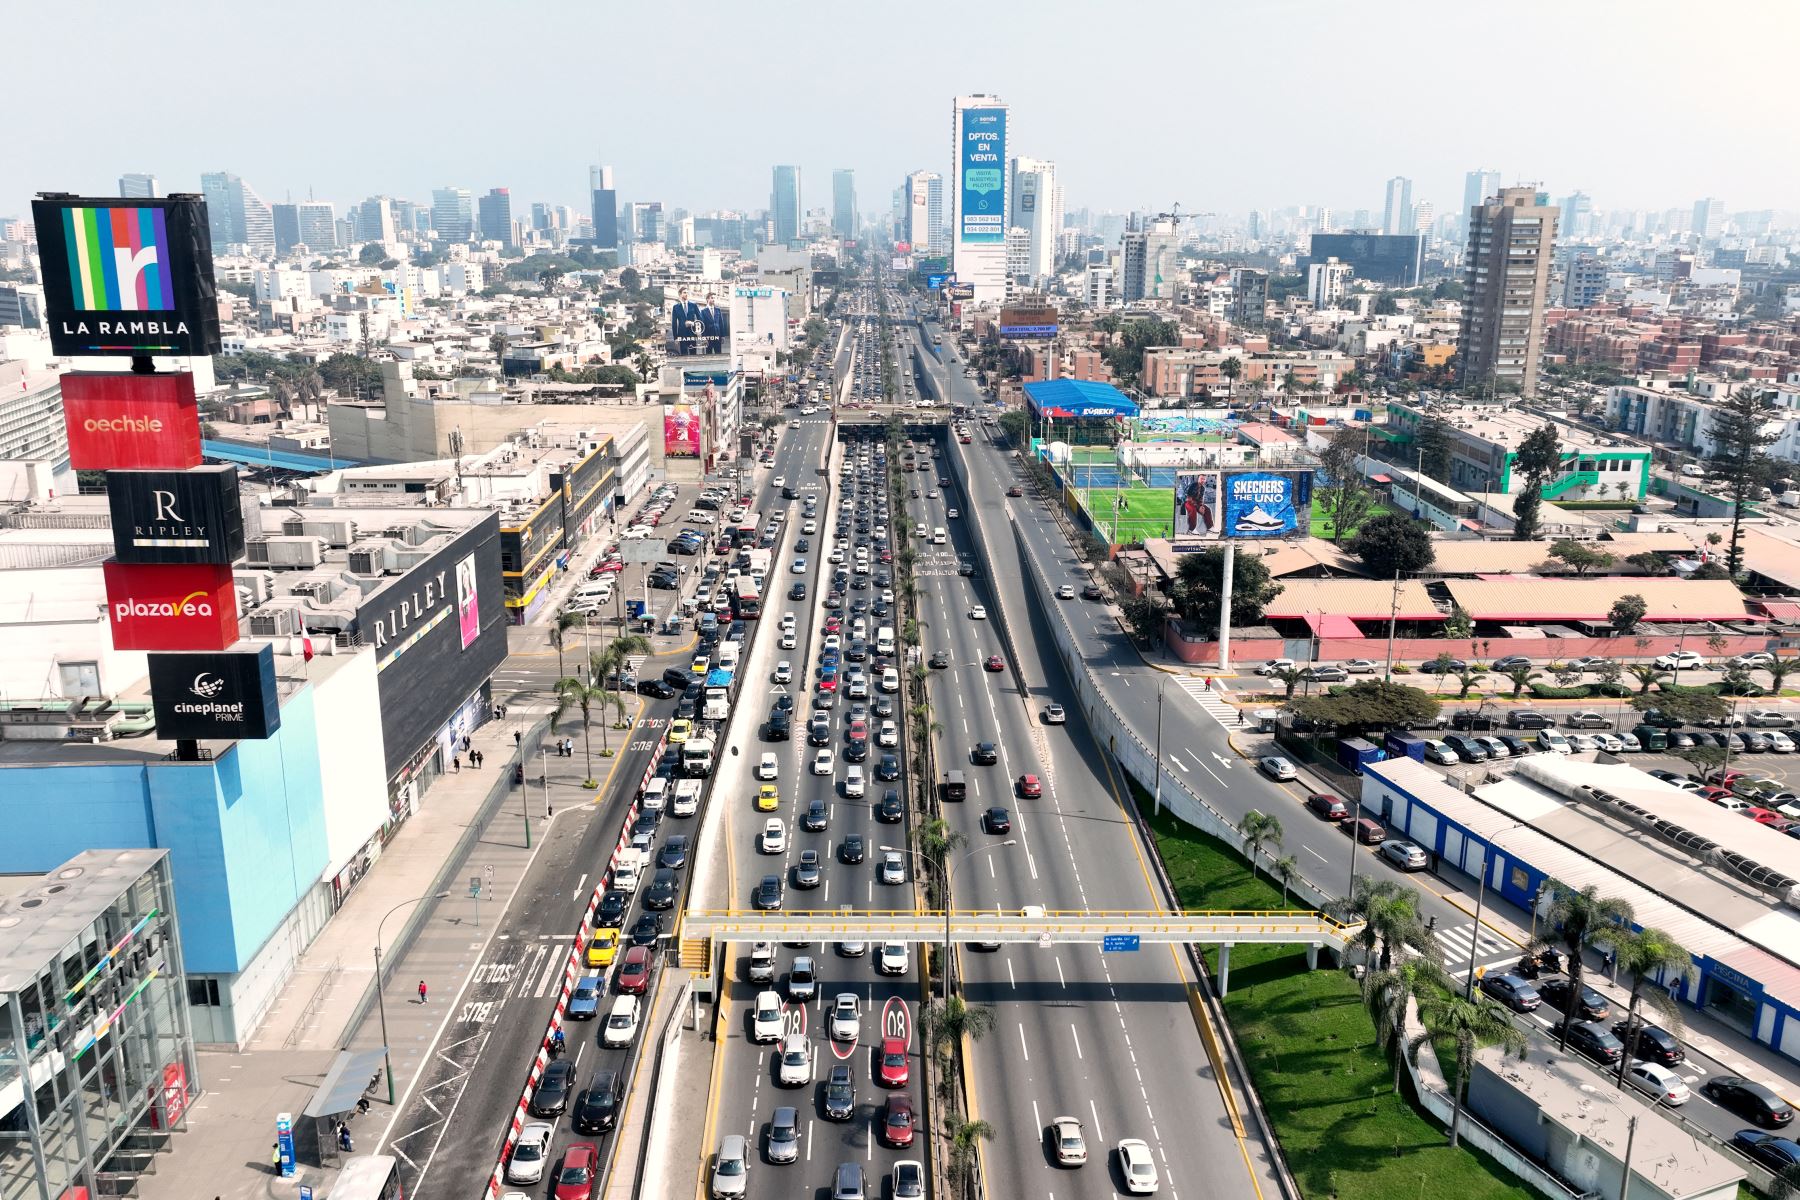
x: 687, y: 798
x: 600, y: 591
x: 937, y: 536
x: 919, y: 529
x: 621, y: 1021
x: 884, y: 640
x: 853, y: 781
x: 656, y: 794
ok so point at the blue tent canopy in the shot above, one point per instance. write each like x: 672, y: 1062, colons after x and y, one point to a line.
x: 1066, y: 399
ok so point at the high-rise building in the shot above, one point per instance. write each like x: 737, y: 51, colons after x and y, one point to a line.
x: 135, y: 187
x: 1584, y: 281
x: 1709, y: 217
x: 1249, y: 297
x: 1149, y: 268
x: 605, y: 202
x: 646, y: 221
x: 1506, y: 277
x: 375, y: 220
x: 843, y: 203
x: 925, y: 218
x: 1397, y: 215
x: 310, y: 223
x: 495, y: 216
x: 1372, y: 256
x: 1036, y: 207
x: 1018, y: 261
x: 236, y: 215
x: 784, y: 204
x: 978, y: 195
x: 1326, y: 282
x: 1477, y: 187
x: 1423, y: 214
x: 1577, y: 215
x: 1099, y: 290
x: 453, y: 213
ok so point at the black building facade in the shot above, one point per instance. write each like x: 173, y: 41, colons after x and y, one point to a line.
x: 1380, y: 258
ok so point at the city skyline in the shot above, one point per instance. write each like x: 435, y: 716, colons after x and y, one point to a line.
x: 884, y: 134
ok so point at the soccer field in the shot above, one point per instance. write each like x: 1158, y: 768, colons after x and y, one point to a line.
x: 1141, y: 511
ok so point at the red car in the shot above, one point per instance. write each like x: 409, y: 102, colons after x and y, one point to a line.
x: 1328, y: 806
x: 1769, y: 817
x: 1715, y: 794
x: 887, y: 556
x: 828, y: 683
x: 1015, y: 490
x: 859, y: 729
x: 893, y: 1071
x: 1029, y: 787
x: 897, y: 1120
x: 964, y: 439
x: 576, y: 1176
x: 995, y: 663
x: 833, y: 625
x: 634, y: 972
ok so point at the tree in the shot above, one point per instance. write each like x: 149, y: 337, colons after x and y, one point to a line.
x: 1471, y: 1022
x: 350, y: 375
x: 1779, y: 668
x: 1574, y: 920
x: 1366, y: 705
x: 1145, y: 615
x: 630, y: 280
x: 1393, y: 544
x: 371, y: 254
x: 1741, y: 431
x: 1459, y: 625
x: 1646, y: 674
x: 1232, y: 368
x: 948, y: 1022
x: 559, y: 635
x: 572, y: 693
x: 1260, y: 832
x: 1201, y: 577
x: 1286, y: 870
x: 1579, y: 558
x: 1538, y: 455
x: 1626, y: 612
x: 1386, y: 993
x: 1465, y: 683
x: 1289, y: 678
x: 1344, y: 497
x: 1016, y: 425
x: 965, y: 1137
x: 1688, y: 707
x: 1431, y: 447
x: 1521, y: 676
x: 1389, y: 916
x: 935, y: 838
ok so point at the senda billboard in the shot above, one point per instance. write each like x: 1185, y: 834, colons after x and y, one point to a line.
x: 170, y: 608
x: 983, y: 169
x: 131, y: 422
x: 131, y: 277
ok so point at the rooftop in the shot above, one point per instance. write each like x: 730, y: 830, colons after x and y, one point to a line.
x: 1509, y: 427
x: 1561, y: 599
x: 48, y: 913
x: 1358, y: 599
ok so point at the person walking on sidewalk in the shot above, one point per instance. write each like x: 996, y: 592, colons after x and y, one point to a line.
x: 421, y: 991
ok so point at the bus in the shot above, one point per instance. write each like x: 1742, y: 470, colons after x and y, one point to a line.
x: 744, y: 532
x: 369, y: 1177
x: 746, y: 601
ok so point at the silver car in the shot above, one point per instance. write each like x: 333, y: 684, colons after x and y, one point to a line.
x: 1277, y: 768
x: 527, y: 1162
x: 1408, y: 856
x: 731, y: 1167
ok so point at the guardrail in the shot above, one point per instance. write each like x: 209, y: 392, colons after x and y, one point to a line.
x: 985, y: 925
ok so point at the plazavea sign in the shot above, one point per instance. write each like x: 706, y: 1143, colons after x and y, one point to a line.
x: 170, y: 608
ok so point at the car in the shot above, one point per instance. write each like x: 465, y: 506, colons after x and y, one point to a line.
x: 784, y: 670
x: 818, y: 731
x: 674, y: 852
x: 897, y: 1120
x: 680, y: 729
x: 1438, y: 752
x: 655, y: 688
x: 1588, y: 719
x: 551, y: 1095
x: 1596, y: 1041
x: 824, y: 762
x: 1093, y: 591
x: 766, y: 1021
x: 773, y: 838
x: 1066, y: 592
x: 909, y: 1180
x: 1656, y: 1080
x: 1030, y: 787
x: 1748, y: 1099
x: 978, y: 613
x: 892, y: 869
x: 768, y: 894
x: 1271, y: 665
x: 840, y: 1094
x: 621, y: 1022
x: 1360, y: 666
x: 891, y: 809
x: 597, y: 1107
x: 802, y: 979
x: 662, y: 890
x: 1067, y: 1143
x: 1583, y: 743
x: 610, y: 915
x: 818, y: 816
x: 1325, y: 675
x: 888, y: 735
x: 1137, y: 1166
x: 1511, y: 990
x: 575, y: 1176
x: 1511, y: 662
x: 784, y: 1135
x: 940, y: 659
x: 893, y: 958
x: 1054, y: 715
x: 995, y: 663
x: 1277, y: 768
x: 888, y: 769
x: 584, y: 998
x: 846, y: 1017
x: 1328, y: 807
x: 1775, y: 1153
x: 529, y: 1152
x: 1555, y: 992
x: 768, y: 767
x: 731, y: 1167
x: 1015, y: 491
x: 1405, y: 855
x: 1768, y: 718
x: 985, y: 754
x: 795, y: 1061
x: 604, y: 944
x: 891, y: 1064
x: 850, y: 850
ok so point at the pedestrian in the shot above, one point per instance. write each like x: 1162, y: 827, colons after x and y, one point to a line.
x: 275, y: 1157
x: 516, y: 737
x: 456, y: 763
x: 480, y: 757
x: 1240, y: 716
x: 421, y: 991
x: 344, y: 1142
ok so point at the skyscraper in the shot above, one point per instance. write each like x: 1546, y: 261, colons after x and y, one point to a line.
x: 605, y: 202
x: 784, y: 203
x: 453, y: 213
x: 1326, y: 282
x: 843, y: 203
x: 1036, y: 206
x: 646, y: 221
x: 236, y: 215
x: 495, y: 211
x: 375, y: 220
x: 1149, y: 265
x: 1577, y: 215
x: 133, y: 186
x: 1477, y: 187
x: 978, y: 195
x: 1506, y: 275
x: 311, y: 223
x: 1709, y: 217
x: 1397, y: 216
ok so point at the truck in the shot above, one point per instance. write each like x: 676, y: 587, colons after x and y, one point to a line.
x: 1352, y: 753
x: 697, y: 757
x: 1401, y: 744
x: 715, y: 701
x: 757, y: 562
x: 628, y: 870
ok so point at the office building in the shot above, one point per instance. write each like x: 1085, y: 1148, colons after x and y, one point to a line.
x: 604, y: 200
x: 1584, y: 281
x: 1018, y: 261
x: 1149, y: 267
x: 237, y: 216
x: 843, y: 203
x: 925, y: 212
x: 22, y: 306
x: 495, y: 216
x: 1037, y: 207
x: 1375, y: 257
x: 785, y: 211
x: 1506, y: 277
x: 1423, y: 214
x: 375, y: 220
x: 310, y: 223
x: 1099, y: 287
x: 646, y: 221
x: 134, y: 186
x: 1249, y: 297
x: 978, y: 195
x: 1709, y: 218
x: 1577, y: 216
x: 1327, y: 282
x: 1477, y: 187
x: 453, y: 213
x: 1397, y: 215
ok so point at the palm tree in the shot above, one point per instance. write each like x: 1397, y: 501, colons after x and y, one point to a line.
x: 947, y: 1022
x: 1779, y: 668
x: 1259, y: 830
x: 1787, y: 1184
x: 618, y: 652
x: 966, y: 1137
x: 1465, y: 682
x: 1386, y: 994
x: 559, y: 634
x: 1232, y: 368
x: 936, y: 838
x: 1289, y: 677
x: 1390, y: 920
x: 572, y: 693
x: 1286, y: 870
x: 1644, y: 955
x: 1574, y: 920
x: 1646, y: 674
x: 1472, y: 1022
x: 1521, y: 676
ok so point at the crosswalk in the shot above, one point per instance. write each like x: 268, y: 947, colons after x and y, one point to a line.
x: 1490, y: 949
x: 1208, y: 699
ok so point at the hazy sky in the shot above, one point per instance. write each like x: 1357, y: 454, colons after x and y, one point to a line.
x: 1222, y: 107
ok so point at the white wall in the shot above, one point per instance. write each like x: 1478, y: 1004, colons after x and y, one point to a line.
x: 352, y: 763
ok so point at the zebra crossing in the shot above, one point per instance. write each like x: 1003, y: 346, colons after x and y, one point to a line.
x: 1208, y: 699
x: 1490, y: 949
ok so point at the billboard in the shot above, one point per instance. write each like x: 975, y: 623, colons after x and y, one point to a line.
x: 934, y: 282
x: 982, y: 164
x: 899, y: 262
x: 131, y: 421
x: 1028, y: 321
x: 699, y: 325
x: 172, y: 517
x: 1262, y: 503
x: 468, y: 601
x: 902, y: 247
x: 170, y: 608
x: 130, y: 277
x: 962, y: 291
x: 681, y: 430
x: 211, y: 697
x: 1196, y: 516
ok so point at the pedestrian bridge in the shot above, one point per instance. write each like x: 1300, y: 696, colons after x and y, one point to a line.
x: 1045, y: 928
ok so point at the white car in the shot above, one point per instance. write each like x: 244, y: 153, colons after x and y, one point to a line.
x: 1779, y: 742
x: 1582, y: 743
x: 846, y: 1018
x: 1628, y: 742
x: 892, y: 869
x: 1054, y: 714
x: 978, y: 613
x: 1441, y: 754
x: 1277, y: 767
x: 1358, y: 666
x: 1609, y: 743
x: 527, y: 1162
x: 796, y: 1061
x: 788, y: 642
x: 893, y: 959
x: 1654, y: 1079
x: 799, y: 567
x: 766, y: 1021
x: 784, y: 670
x: 888, y: 735
x: 1066, y: 592
x: 1678, y: 659
x: 810, y: 527
x: 773, y: 838
x: 768, y: 767
x: 1270, y: 666
x: 1138, y: 1167
x: 824, y: 762
x: 779, y: 481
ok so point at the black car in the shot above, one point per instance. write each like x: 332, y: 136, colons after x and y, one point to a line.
x: 1594, y: 1040
x: 1511, y: 990
x: 840, y: 1095
x: 818, y: 733
x: 1654, y: 1044
x: 798, y: 591
x: 858, y: 651
x: 984, y: 754
x: 890, y: 809
x: 851, y: 849
x: 1555, y: 993
x: 940, y: 659
x: 687, y: 708
x: 674, y: 853
x: 655, y: 688
x: 965, y: 566
x: 768, y: 893
x: 1529, y: 720
x: 677, y: 677
x: 1467, y: 748
x: 647, y: 930
x: 1471, y: 721
x: 1512, y: 662
x: 1775, y: 1153
x: 856, y: 750
x: 781, y: 726
x: 663, y: 583
x: 1748, y: 1099
x: 660, y: 892
x: 551, y: 1095
x: 783, y: 703
x: 996, y: 820
x: 888, y: 769
x: 611, y: 913
x: 597, y: 1108
x: 646, y: 821
x: 1516, y: 745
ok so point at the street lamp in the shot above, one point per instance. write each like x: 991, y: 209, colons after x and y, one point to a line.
x: 387, y: 1055
x: 1480, y: 896
x: 949, y: 873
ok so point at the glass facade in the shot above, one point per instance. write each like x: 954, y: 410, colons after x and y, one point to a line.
x: 97, y: 1063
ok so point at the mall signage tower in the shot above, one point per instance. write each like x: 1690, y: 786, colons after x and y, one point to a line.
x: 133, y: 279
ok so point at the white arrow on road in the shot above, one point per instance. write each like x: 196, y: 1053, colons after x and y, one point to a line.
x: 1180, y: 764
x: 1223, y: 761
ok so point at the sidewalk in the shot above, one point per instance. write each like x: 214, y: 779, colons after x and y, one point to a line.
x: 327, y: 1003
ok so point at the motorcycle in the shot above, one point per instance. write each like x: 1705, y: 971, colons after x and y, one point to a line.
x: 1544, y: 962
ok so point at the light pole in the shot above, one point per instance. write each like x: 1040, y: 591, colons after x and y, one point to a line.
x: 387, y: 1055
x: 949, y: 874
x: 1160, y: 682
x: 1480, y: 896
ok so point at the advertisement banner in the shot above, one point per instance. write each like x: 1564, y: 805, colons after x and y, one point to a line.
x: 213, y: 697
x: 899, y: 262
x: 698, y: 325
x: 1196, y: 516
x: 934, y: 282
x: 1260, y: 504
x: 121, y: 420
x: 164, y: 517
x: 962, y: 291
x: 1027, y: 321
x: 127, y: 276
x: 681, y: 430
x: 468, y: 603
x: 170, y: 608
x: 983, y: 168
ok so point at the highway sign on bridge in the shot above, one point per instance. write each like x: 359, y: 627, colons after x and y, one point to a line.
x: 1119, y: 941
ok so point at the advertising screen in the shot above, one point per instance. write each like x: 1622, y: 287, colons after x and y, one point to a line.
x: 1261, y: 504
x: 130, y: 277
x: 211, y: 697
x: 126, y: 421
x: 681, y: 430
x: 699, y: 324
x: 170, y: 608
x: 983, y: 205
x: 934, y: 282
x: 899, y: 262
x: 1028, y: 321
x: 468, y: 601
x: 962, y: 291
x: 1196, y: 515
x: 165, y: 517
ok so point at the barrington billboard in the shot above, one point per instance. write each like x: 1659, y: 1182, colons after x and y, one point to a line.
x: 131, y: 421
x: 130, y: 277
x: 167, y: 517
x: 170, y: 608
x: 213, y: 697
x: 983, y: 163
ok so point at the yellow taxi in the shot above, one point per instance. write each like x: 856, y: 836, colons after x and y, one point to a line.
x: 680, y: 730
x: 768, y: 798
x: 702, y: 663
x: 602, y: 947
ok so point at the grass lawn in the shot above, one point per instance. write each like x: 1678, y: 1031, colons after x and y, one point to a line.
x: 1147, y: 511
x: 1322, y: 526
x: 1309, y: 1044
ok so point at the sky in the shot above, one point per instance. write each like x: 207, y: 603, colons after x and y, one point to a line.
x: 1220, y: 107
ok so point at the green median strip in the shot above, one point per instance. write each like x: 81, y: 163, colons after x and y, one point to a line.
x: 1310, y: 1047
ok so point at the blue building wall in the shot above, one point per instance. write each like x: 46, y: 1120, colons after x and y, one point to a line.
x: 245, y: 832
